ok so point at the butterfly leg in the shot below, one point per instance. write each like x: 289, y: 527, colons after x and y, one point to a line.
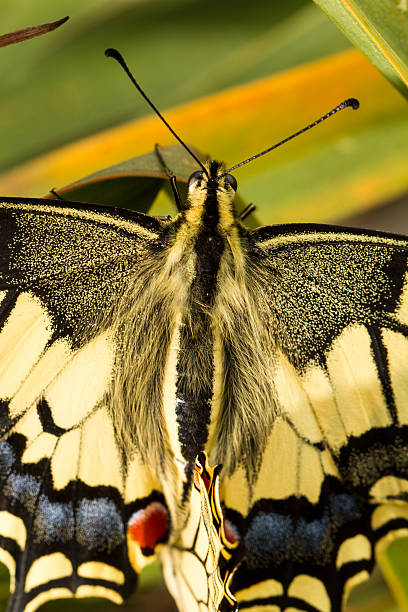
x: 247, y: 211
x: 57, y: 195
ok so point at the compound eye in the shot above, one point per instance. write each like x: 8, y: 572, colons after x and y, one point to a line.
x: 195, y: 177
x: 232, y: 181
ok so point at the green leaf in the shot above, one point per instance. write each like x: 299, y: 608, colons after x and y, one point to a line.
x: 331, y: 172
x: 59, y: 88
x: 393, y: 562
x: 379, y: 29
x: 134, y: 183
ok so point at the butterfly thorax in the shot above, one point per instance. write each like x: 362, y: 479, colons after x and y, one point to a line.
x: 196, y: 290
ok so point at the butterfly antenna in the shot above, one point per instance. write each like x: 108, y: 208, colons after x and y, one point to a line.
x: 118, y: 57
x: 350, y: 102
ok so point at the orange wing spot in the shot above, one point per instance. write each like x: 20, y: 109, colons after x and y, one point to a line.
x: 149, y: 526
x: 196, y: 479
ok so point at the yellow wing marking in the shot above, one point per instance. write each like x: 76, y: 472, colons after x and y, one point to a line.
x: 311, y: 590
x: 136, y: 558
x: 234, y: 491
x: 277, y: 242
x: 310, y: 473
x: 140, y: 481
x: 99, y: 462
x: 303, y: 475
x: 82, y: 591
x: 45, y: 370
x: 328, y: 465
x: 388, y: 512
x: 354, y: 377
x: 388, y: 487
x: 88, y: 453
x: 294, y: 401
x: 353, y: 549
x: 22, y: 340
x: 97, y: 218
x: 13, y: 527
x: 64, y: 462
x: 47, y: 568
x: 82, y: 383
x: 102, y: 571
x: 87, y: 590
x: 261, y: 590
x: 397, y: 353
x: 29, y: 426
x: 42, y: 446
x: 277, y: 474
x: 39, y: 600
x: 321, y: 397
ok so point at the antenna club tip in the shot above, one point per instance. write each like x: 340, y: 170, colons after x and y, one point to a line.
x: 353, y: 102
x: 112, y: 53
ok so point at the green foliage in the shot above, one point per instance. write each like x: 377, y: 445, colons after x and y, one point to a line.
x: 60, y: 87
x: 379, y: 29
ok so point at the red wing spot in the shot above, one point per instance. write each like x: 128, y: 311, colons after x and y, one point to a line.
x: 148, y: 526
x: 207, y: 481
x: 231, y: 532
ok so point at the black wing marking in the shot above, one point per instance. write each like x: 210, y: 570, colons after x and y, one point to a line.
x: 73, y: 256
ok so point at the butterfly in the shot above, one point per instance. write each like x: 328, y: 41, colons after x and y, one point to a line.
x: 233, y: 401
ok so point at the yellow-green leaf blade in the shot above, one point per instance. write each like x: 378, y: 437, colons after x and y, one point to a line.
x: 393, y: 562
x: 379, y: 30
x: 347, y: 164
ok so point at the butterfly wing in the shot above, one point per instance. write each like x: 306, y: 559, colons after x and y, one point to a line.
x: 331, y: 482
x: 67, y: 492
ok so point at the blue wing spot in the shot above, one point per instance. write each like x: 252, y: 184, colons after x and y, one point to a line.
x: 268, y: 539
x: 23, y: 488
x: 313, y: 540
x: 345, y: 508
x: 273, y: 538
x: 54, y: 522
x: 99, y: 524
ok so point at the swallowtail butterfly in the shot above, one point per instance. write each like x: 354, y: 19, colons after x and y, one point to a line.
x: 138, y: 352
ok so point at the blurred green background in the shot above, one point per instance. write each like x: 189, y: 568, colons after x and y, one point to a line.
x: 236, y: 77
x: 266, y: 63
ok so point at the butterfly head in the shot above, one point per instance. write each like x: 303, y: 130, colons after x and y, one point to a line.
x: 210, y: 195
x: 212, y: 179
